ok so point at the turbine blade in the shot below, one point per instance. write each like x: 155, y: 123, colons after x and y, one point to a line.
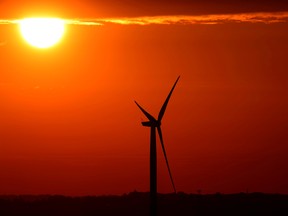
x: 150, y: 117
x: 162, y: 111
x: 164, y: 152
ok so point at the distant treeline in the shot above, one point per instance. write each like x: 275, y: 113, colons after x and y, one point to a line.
x: 137, y: 204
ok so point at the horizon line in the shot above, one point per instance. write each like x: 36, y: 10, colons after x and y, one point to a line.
x: 144, y: 192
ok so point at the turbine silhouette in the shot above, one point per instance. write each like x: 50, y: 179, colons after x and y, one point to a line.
x: 153, y: 124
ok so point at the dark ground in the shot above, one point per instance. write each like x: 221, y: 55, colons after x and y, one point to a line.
x: 137, y: 204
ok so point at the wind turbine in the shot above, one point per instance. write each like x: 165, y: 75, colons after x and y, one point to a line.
x: 156, y: 124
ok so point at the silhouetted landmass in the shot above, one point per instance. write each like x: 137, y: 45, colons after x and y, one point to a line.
x: 137, y: 204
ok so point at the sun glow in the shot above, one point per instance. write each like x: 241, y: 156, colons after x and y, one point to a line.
x: 42, y: 32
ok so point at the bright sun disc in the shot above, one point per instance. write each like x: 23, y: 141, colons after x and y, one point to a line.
x: 42, y: 32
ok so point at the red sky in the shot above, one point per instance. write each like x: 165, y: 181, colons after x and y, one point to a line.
x: 69, y: 125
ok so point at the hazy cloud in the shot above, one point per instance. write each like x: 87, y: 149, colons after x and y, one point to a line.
x: 82, y: 22
x: 204, y: 19
x: 266, y: 18
x: 5, y: 22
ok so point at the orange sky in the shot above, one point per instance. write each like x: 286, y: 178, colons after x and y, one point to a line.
x: 69, y: 125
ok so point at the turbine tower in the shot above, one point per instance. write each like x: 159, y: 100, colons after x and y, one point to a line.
x: 156, y: 124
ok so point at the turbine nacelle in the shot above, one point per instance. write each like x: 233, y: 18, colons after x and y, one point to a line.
x: 151, y: 123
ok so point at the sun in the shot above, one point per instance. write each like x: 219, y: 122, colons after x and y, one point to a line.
x: 42, y: 32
